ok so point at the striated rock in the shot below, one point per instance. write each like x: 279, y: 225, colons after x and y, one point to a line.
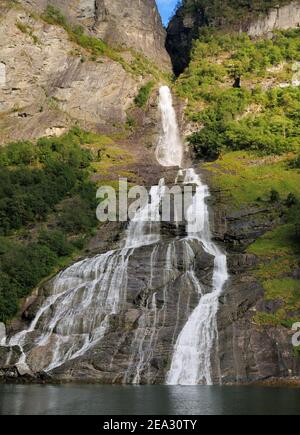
x: 189, y: 19
x: 139, y: 338
x: 49, y: 83
x: 123, y: 23
x: 246, y: 351
x: 9, y: 356
x: 279, y: 18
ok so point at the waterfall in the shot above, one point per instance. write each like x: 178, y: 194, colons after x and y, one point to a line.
x: 169, y: 151
x: 191, y: 362
x: 76, y: 315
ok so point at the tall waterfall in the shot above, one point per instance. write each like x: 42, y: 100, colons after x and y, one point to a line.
x: 85, y: 299
x: 169, y: 151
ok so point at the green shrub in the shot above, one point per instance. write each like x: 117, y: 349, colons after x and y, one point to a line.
x: 274, y: 196
x: 207, y: 143
x: 36, y: 180
x: 144, y: 93
x: 77, y: 217
x: 291, y: 200
x: 246, y: 118
x: 56, y: 241
x: 8, y: 297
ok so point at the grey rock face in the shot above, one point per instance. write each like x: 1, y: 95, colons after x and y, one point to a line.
x: 247, y: 351
x: 185, y: 25
x: 123, y: 23
x: 280, y: 18
x: 138, y: 343
x: 49, y: 84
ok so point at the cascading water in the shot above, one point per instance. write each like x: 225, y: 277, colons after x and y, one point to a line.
x: 169, y: 151
x: 76, y: 316
x: 191, y: 362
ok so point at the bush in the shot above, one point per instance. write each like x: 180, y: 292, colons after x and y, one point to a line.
x: 249, y: 118
x: 144, y: 93
x: 295, y: 164
x: 77, y: 217
x: 207, y: 143
x: 28, y: 265
x: 56, y: 241
x: 274, y: 196
x: 291, y: 200
x: 56, y: 176
x: 8, y: 297
x: 28, y: 195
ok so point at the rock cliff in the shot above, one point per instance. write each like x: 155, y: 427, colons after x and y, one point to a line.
x: 48, y: 82
x: 193, y: 16
x: 132, y: 24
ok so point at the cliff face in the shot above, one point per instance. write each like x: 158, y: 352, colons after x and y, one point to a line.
x: 49, y: 82
x: 123, y: 23
x: 283, y: 18
x: 191, y: 17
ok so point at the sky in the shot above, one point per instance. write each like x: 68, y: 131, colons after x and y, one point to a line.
x: 166, y: 8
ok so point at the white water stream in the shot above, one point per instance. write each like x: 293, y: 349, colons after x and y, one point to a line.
x: 76, y: 316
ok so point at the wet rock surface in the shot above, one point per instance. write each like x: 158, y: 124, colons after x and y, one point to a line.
x: 246, y: 351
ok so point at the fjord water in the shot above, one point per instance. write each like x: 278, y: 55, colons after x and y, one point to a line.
x: 147, y: 400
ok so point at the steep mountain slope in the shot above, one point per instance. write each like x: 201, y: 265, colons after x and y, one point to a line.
x: 130, y: 23
x: 257, y: 18
x: 55, y: 75
x: 241, y: 100
x: 243, y: 114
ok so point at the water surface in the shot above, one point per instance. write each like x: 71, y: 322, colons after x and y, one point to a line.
x: 147, y: 400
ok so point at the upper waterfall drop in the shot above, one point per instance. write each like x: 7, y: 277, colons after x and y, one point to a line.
x: 169, y: 151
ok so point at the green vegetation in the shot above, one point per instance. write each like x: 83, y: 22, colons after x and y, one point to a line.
x: 144, y: 93
x: 96, y: 46
x: 247, y: 179
x: 47, y: 204
x: 257, y: 113
x: 138, y: 66
x: 227, y: 12
x: 27, y: 30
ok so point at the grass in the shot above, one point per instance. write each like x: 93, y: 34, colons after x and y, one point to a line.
x: 27, y: 30
x: 280, y: 256
x: 143, y: 96
x: 249, y: 179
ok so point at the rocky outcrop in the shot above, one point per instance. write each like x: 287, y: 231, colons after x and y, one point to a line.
x: 248, y: 351
x: 48, y: 82
x: 138, y: 342
x: 279, y: 18
x: 181, y: 31
x: 185, y: 25
x: 132, y: 24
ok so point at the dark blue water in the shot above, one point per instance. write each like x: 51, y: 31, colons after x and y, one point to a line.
x: 147, y: 400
